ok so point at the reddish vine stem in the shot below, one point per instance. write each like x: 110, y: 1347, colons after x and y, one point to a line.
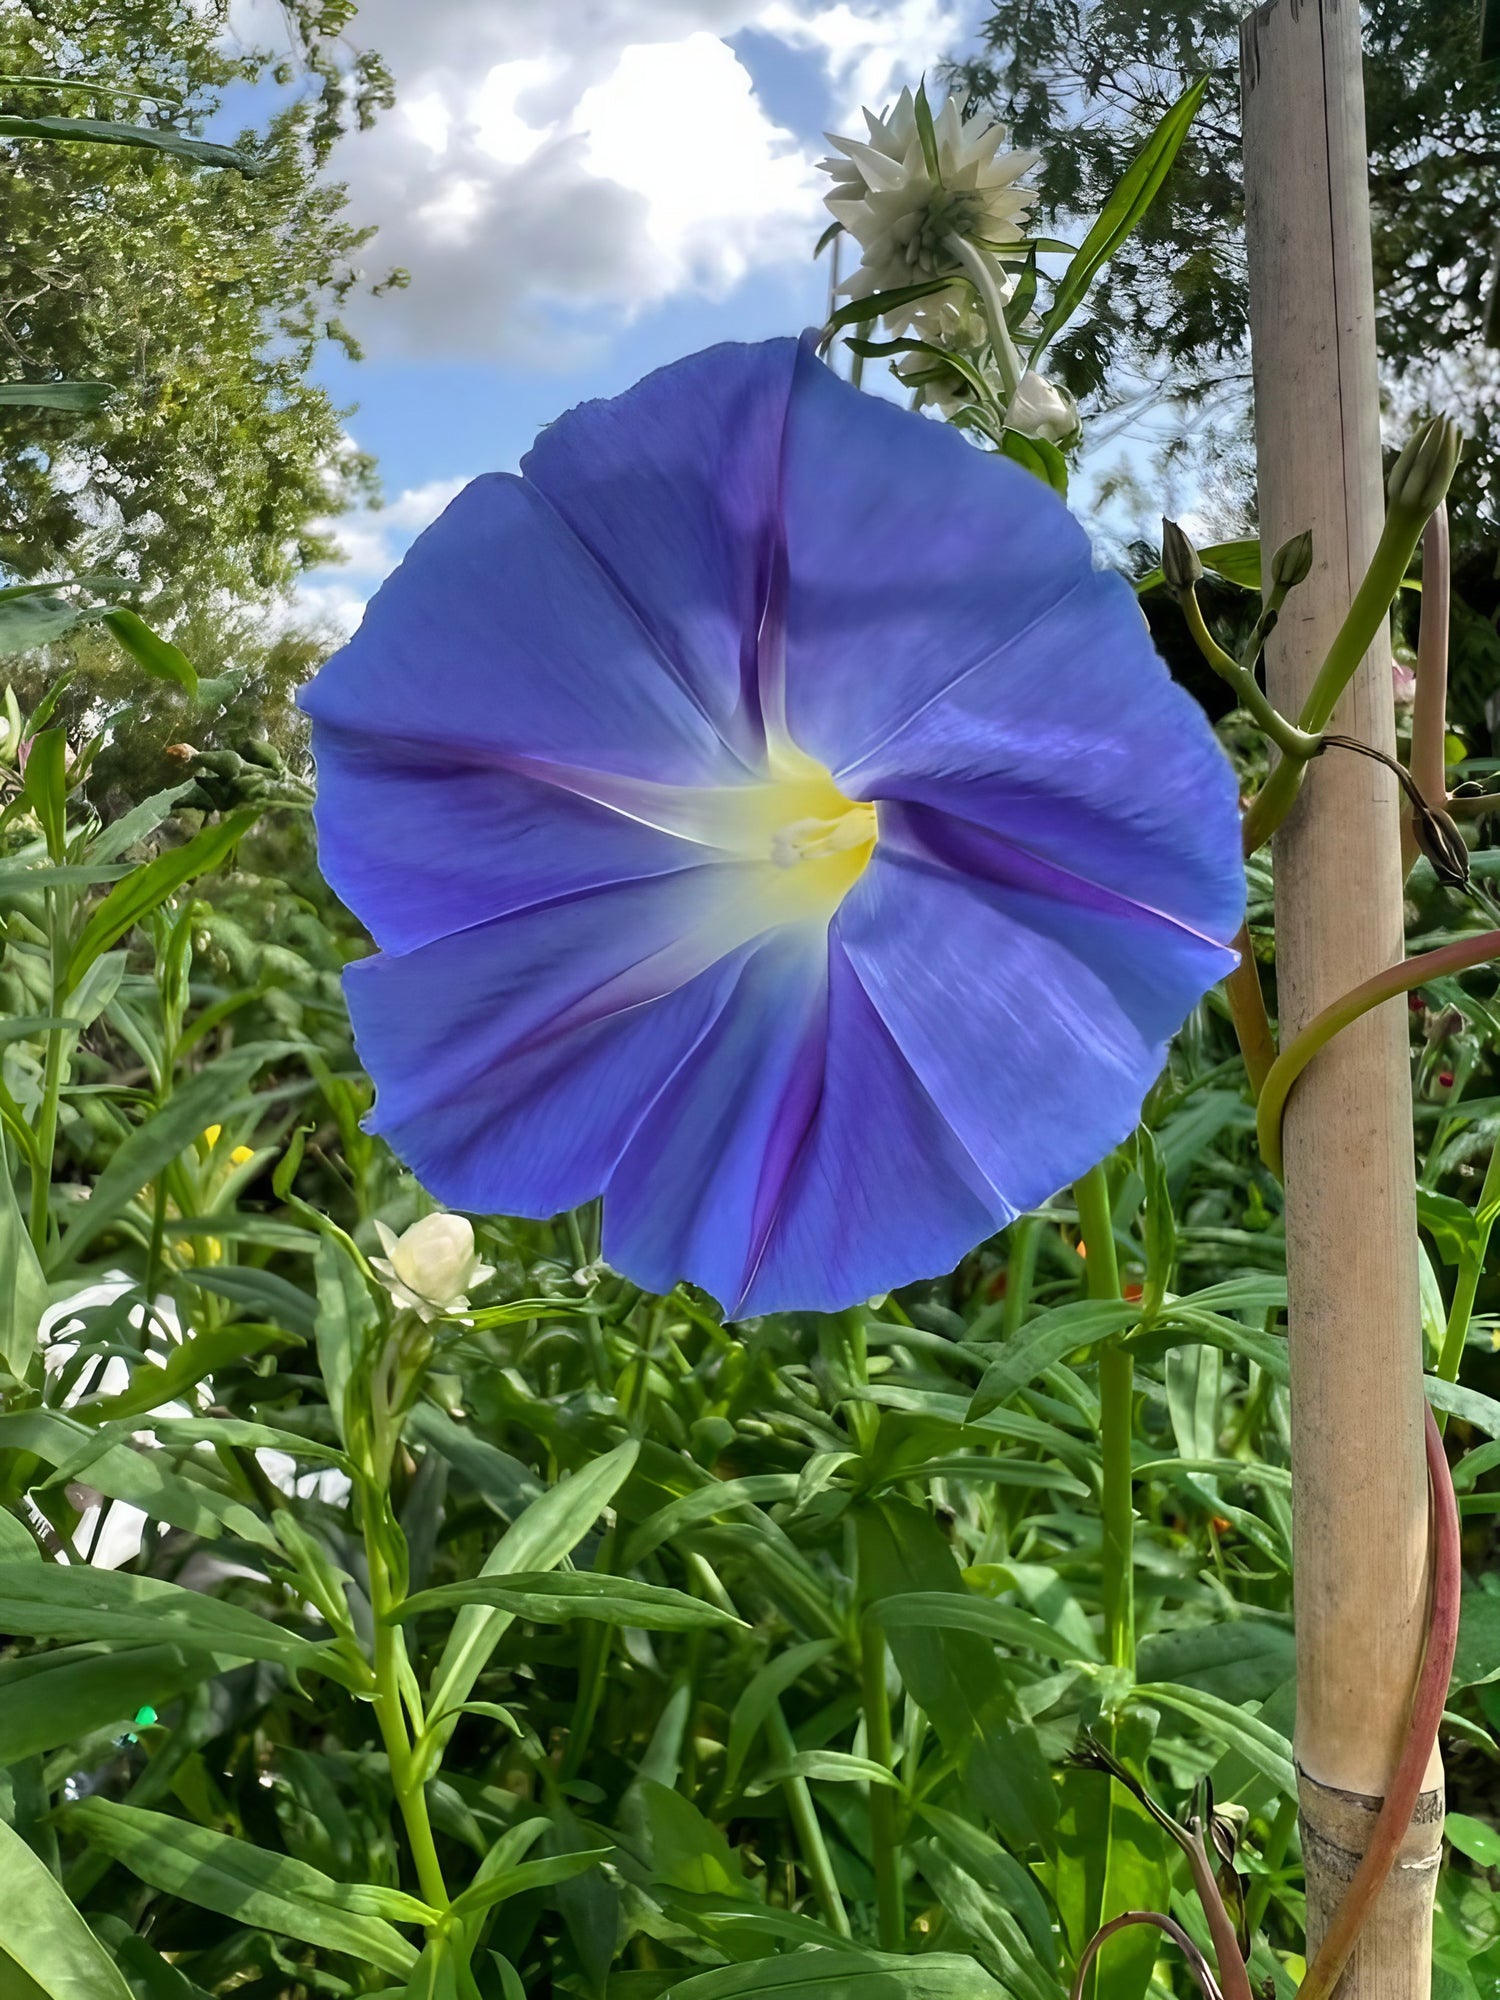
x: 1197, y: 1964
x: 1431, y: 1691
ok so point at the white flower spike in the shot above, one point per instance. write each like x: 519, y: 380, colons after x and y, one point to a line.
x: 431, y: 1267
x: 902, y: 213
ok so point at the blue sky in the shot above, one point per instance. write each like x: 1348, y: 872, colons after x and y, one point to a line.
x: 582, y: 190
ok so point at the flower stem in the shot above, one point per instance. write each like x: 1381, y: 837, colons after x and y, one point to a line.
x: 885, y: 1838
x: 1247, y: 1010
x: 1252, y: 697
x: 980, y: 271
x: 1116, y: 1423
x: 390, y: 1716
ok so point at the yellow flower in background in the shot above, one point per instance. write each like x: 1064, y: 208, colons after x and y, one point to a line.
x: 211, y: 1135
x: 240, y: 1155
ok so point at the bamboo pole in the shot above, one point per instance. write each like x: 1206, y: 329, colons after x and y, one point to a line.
x: 1359, y: 1481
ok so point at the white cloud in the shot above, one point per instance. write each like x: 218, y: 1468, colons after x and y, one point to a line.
x: 550, y: 161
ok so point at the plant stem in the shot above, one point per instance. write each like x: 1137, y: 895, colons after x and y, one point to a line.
x: 1277, y: 1840
x: 411, y: 1795
x: 1429, y: 716
x: 804, y: 1815
x: 1470, y: 1269
x: 53, y: 1064
x: 1116, y: 1423
x: 1247, y: 1010
x: 885, y: 1839
x: 1252, y: 697
x: 1020, y: 1270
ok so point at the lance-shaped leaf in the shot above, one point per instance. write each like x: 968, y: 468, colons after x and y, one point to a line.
x: 550, y: 1597
x: 81, y: 398
x: 42, y: 1933
x: 146, y: 889
x: 148, y: 138
x: 45, y: 1601
x: 261, y: 1890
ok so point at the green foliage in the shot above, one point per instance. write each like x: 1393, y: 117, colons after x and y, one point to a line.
x: 577, y: 1643
x: 162, y: 318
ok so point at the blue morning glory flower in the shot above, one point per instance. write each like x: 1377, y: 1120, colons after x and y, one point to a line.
x: 771, y: 821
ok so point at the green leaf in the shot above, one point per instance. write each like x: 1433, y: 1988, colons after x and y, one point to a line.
x: 706, y: 1503
x: 46, y: 786
x: 1237, y: 562
x: 143, y: 1479
x: 926, y: 134
x: 1045, y: 1340
x: 193, y: 1361
x: 1263, y: 1747
x: 1134, y: 194
x: 844, y: 1974
x: 1039, y: 456
x: 195, y: 1105
x: 160, y: 658
x: 146, y: 889
x: 551, y: 1528
x: 941, y: 1610
x: 858, y: 311
x: 780, y: 1672
x: 954, y: 1675
x: 1483, y: 1412
x: 83, y: 398
x: 37, y: 619
x: 547, y: 1597
x: 23, y: 1284
x: 47, y: 1699
x: 217, y: 1872
x: 1477, y: 1660
x: 43, y: 1934
x: 151, y: 139
x: 1111, y: 1857
x: 1473, y: 1837
x: 344, y: 1322
x: 79, y: 1603
x: 1244, y: 1660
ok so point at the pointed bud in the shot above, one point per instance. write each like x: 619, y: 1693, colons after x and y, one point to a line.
x: 1421, y: 475
x: 1179, y: 559
x: 1292, y: 561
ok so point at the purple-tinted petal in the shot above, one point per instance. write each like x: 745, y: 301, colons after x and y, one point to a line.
x: 881, y: 1191
x: 424, y: 841
x: 698, y: 1187
x: 513, y: 1061
x: 949, y: 642
x: 500, y: 632
x: 1035, y: 1024
x: 674, y: 488
x: 911, y: 557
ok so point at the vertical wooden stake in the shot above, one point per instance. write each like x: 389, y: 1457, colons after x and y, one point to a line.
x: 1360, y: 1492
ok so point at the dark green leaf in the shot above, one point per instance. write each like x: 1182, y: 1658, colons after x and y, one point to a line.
x: 146, y: 889
x: 1047, y: 1339
x: 78, y: 1603
x: 160, y: 658
x: 45, y: 1936
x: 80, y: 397
x: 555, y: 1597
x: 106, y: 132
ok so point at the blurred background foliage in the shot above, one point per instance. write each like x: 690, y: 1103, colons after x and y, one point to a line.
x: 678, y: 1659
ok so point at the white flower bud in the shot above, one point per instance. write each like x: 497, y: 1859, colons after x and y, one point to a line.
x: 1039, y: 409
x: 431, y: 1267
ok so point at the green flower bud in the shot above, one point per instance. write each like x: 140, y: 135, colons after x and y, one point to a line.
x: 1292, y: 561
x: 1421, y: 475
x: 1179, y: 559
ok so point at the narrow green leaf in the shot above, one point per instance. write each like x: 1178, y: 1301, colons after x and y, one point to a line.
x: 551, y: 1528
x: 1477, y: 1660
x: 1111, y: 1857
x: 1047, y: 1339
x: 37, y: 620
x: 842, y: 1974
x: 146, y: 888
x: 23, y: 1284
x: 942, y: 1610
x: 160, y: 658
x: 1257, y: 1742
x: 550, y: 1597
x: 46, y: 785
x: 106, y: 132
x: 82, y: 398
x: 78, y: 1603
x: 47, y: 1699
x: 856, y: 312
x: 1136, y: 190
x: 45, y: 1936
x: 527, y: 1876
x: 780, y: 1672
x: 256, y: 1888
x: 195, y: 1105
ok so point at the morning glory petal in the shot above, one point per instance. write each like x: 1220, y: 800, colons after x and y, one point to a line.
x: 515, y: 1059
x: 674, y: 488
x: 881, y: 1191
x: 499, y: 631
x: 696, y: 1191
x: 1035, y: 1040
x: 911, y: 557
x: 427, y: 841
